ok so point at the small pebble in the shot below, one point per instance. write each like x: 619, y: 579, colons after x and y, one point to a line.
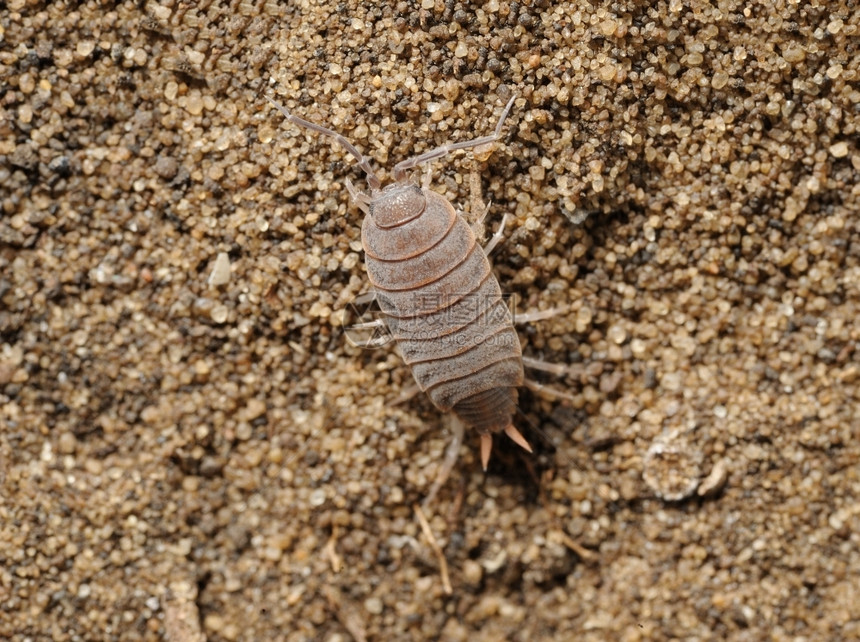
x: 715, y: 481
x: 671, y: 467
x: 220, y: 273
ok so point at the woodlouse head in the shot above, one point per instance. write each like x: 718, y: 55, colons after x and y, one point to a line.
x: 397, y: 204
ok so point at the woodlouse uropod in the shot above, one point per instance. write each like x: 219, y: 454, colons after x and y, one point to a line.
x: 434, y: 284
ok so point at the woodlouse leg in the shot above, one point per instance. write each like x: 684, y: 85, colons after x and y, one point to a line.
x: 368, y: 325
x: 556, y: 369
x: 538, y: 315
x: 363, y: 162
x: 479, y: 223
x: 427, y: 178
x: 477, y: 205
x: 547, y: 391
x: 375, y: 342
x: 497, y: 237
x: 365, y: 297
x: 380, y: 335
x: 358, y: 197
x: 407, y: 394
x: 553, y: 368
x: 402, y: 167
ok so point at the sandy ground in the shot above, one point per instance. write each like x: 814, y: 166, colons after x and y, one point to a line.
x: 182, y: 460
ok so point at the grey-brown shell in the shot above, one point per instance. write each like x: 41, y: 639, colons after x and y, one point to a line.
x: 444, y: 308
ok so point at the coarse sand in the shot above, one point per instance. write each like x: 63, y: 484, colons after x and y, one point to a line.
x: 190, y: 447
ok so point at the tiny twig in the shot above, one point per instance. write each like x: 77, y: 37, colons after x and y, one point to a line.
x: 347, y: 613
x: 576, y: 547
x: 331, y: 552
x: 428, y: 533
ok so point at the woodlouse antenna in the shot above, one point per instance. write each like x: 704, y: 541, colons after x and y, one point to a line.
x: 372, y: 181
x: 402, y: 167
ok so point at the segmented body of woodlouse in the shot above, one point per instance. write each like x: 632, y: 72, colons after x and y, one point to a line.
x: 442, y: 302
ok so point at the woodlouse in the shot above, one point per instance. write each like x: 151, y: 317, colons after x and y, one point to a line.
x: 442, y: 303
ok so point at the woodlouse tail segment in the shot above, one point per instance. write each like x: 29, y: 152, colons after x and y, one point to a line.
x: 487, y: 444
x: 517, y: 437
x: 486, y: 449
x: 372, y: 180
